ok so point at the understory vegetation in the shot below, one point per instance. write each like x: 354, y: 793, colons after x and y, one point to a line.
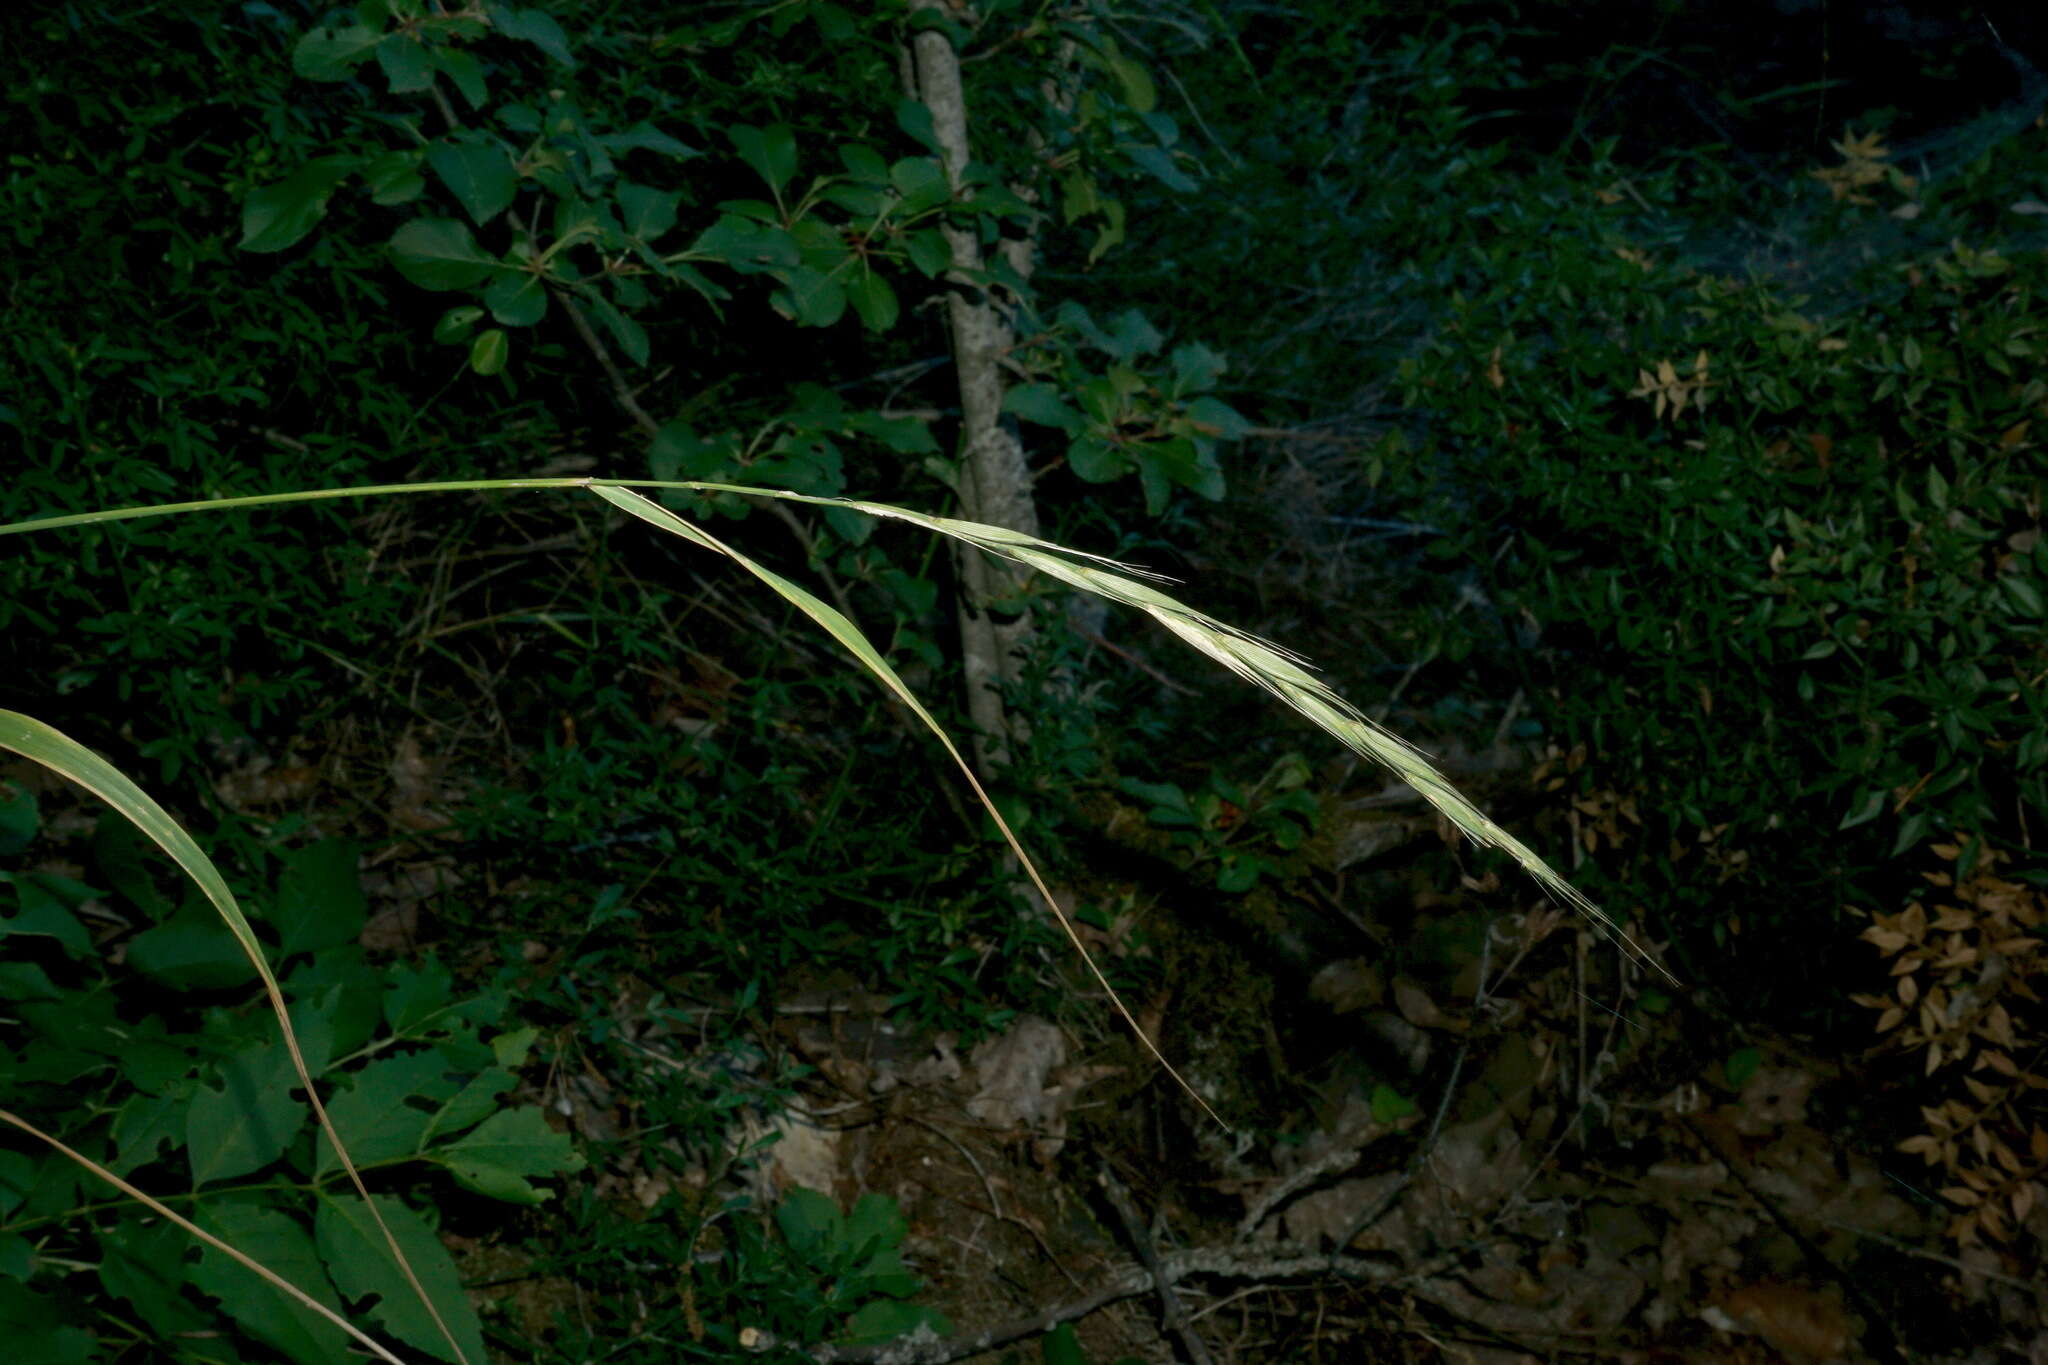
x: 1640, y: 412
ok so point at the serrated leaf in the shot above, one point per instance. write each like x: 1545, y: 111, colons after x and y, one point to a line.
x: 440, y: 254
x: 534, y: 26
x: 42, y: 914
x: 475, y: 1102
x: 247, y: 1121
x: 875, y: 1225
x: 319, y: 901
x: 813, y: 1226
x: 147, y: 1126
x: 281, y: 1244
x: 375, y: 1116
x: 359, y: 1260
x: 325, y: 54
x: 279, y: 216
x: 505, y: 1152
x: 19, y: 819
x: 478, y: 171
x: 192, y: 950
x: 145, y: 1265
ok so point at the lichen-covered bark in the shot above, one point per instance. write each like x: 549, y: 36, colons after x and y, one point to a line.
x: 995, y: 482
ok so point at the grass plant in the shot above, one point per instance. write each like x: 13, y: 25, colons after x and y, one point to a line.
x: 1257, y: 662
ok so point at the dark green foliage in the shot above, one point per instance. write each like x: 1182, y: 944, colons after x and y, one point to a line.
x: 173, y: 1089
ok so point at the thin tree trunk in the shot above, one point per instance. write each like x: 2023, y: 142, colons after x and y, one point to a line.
x: 995, y: 481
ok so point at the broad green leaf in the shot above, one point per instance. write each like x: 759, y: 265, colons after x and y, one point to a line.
x: 147, y: 1126
x: 319, y: 900
x: 505, y: 1152
x: 517, y: 298
x: 361, y: 1264
x: 875, y: 1224
x: 811, y: 297
x: 333, y: 54
x: 1196, y: 369
x: 915, y: 118
x: 416, y: 996
x: 835, y: 25
x: 1218, y: 418
x: 455, y: 324
x: 873, y: 300
x: 247, y: 1123
x: 929, y: 252
x: 279, y: 216
x: 771, y: 151
x: 440, y: 254
x: 1041, y: 403
x: 464, y: 70
x: 647, y: 213
x: 864, y: 164
x: 266, y: 1313
x: 534, y: 26
x: 1158, y: 163
x: 1390, y: 1105
x: 921, y: 180
x: 43, y: 914
x: 17, y: 1256
x: 19, y: 819
x: 17, y: 1178
x: 42, y: 744
x: 35, y: 1332
x: 145, y: 1265
x: 475, y: 1102
x: 1061, y: 1346
x: 747, y: 246
x: 490, y: 352
x: 1096, y: 462
x: 478, y: 171
x: 192, y: 950
x: 813, y: 1226
x: 887, y: 1319
x: 1136, y: 82
x: 394, y: 178
x: 647, y: 137
x: 375, y: 1116
x: 632, y: 338
x: 403, y: 59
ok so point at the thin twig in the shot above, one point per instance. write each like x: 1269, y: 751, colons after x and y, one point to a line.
x: 1123, y: 1282
x: 1173, y: 1313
